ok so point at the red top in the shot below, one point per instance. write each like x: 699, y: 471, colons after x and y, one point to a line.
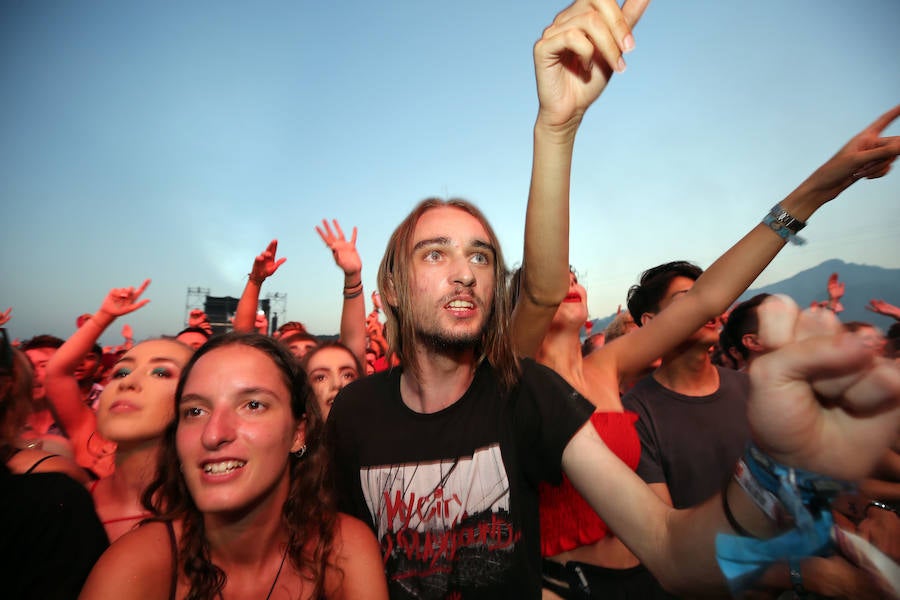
x: 567, y: 520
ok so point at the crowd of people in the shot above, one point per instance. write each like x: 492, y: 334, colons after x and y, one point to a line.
x: 468, y: 443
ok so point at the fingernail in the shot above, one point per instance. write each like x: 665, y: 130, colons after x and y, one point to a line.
x: 628, y: 43
x: 620, y: 65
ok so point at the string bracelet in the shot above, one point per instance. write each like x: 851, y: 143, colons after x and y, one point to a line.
x: 353, y: 291
x: 785, y: 225
x: 257, y: 281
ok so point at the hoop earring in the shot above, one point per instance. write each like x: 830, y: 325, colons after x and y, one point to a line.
x: 300, y: 453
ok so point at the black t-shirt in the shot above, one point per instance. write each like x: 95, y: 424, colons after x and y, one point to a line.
x: 690, y: 443
x: 51, y: 536
x: 452, y: 495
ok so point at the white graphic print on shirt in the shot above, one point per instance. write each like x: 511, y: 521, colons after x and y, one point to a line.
x: 443, y: 524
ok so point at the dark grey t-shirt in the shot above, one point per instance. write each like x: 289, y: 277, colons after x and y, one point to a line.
x: 690, y: 443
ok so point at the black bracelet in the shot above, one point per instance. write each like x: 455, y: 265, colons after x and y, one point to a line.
x: 354, y: 286
x: 353, y: 295
x: 882, y: 506
x: 730, y: 515
x: 797, y: 579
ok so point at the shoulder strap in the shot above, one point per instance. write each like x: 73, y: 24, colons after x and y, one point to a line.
x: 35, y: 465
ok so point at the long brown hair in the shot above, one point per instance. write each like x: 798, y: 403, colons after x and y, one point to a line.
x: 15, y: 396
x: 394, y: 276
x: 309, y: 513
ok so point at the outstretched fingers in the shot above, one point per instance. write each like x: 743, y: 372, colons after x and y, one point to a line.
x: 633, y: 11
x: 325, y: 232
x: 140, y: 290
x: 337, y: 228
x: 881, y: 123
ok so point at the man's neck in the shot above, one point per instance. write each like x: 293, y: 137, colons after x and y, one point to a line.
x: 689, y: 372
x: 442, y: 379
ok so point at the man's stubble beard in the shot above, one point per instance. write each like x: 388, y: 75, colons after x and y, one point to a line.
x: 441, y: 343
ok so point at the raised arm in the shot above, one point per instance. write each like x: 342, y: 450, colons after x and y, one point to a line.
x: 822, y: 402
x: 5, y: 316
x: 264, y: 266
x: 884, y: 308
x: 573, y: 62
x: 836, y: 289
x: 353, y: 312
x: 75, y: 418
x: 867, y: 155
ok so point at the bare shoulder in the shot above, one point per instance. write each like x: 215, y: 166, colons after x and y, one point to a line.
x: 359, y: 571
x: 352, y: 532
x: 137, y: 565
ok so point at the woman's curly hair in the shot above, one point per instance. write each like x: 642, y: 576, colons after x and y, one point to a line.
x: 309, y: 515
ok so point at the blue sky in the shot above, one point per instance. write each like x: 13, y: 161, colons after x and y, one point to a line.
x: 174, y: 140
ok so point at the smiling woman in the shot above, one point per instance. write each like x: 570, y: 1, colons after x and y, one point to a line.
x: 241, y: 493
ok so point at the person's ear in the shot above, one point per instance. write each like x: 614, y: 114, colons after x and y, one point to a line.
x: 751, y: 342
x: 646, y: 318
x: 299, y: 436
x: 390, y: 292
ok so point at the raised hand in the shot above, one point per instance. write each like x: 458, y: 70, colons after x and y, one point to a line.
x: 577, y: 54
x: 261, y: 323
x: 127, y: 333
x: 121, y: 301
x: 198, y: 318
x: 867, y: 155
x: 836, y: 291
x: 883, y: 308
x: 266, y: 264
x: 344, y: 251
x: 5, y: 316
x: 824, y: 400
